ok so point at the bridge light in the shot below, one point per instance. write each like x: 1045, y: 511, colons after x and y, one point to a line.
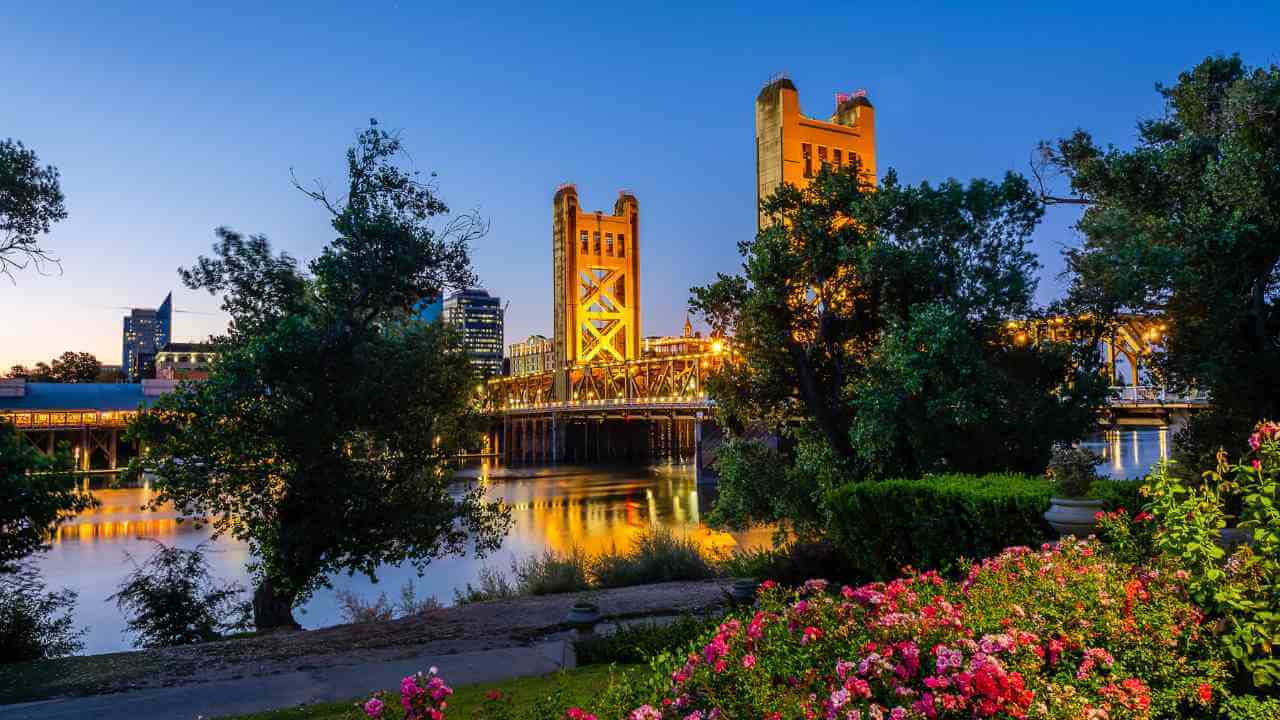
x: 717, y: 347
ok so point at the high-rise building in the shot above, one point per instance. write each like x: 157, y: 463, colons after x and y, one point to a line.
x: 430, y: 309
x: 596, y: 266
x: 792, y: 148
x: 146, y: 331
x: 479, y: 318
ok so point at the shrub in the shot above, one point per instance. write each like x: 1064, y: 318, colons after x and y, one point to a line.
x: 1058, y: 633
x: 1072, y: 470
x: 1118, y: 494
x: 173, y: 599
x: 1251, y: 708
x: 639, y: 642
x: 494, y: 585
x: 356, y: 609
x: 423, y: 696
x: 551, y: 572
x: 656, y: 555
x: 931, y: 522
x: 34, y: 624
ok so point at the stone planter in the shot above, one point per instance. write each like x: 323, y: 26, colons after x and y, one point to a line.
x: 583, y: 614
x: 1073, y: 516
x: 743, y: 590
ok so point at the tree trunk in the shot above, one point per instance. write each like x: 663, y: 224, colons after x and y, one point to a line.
x: 272, y: 610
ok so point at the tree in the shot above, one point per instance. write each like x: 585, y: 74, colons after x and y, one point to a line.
x: 37, y: 492
x: 876, y: 318
x: 173, y: 599
x: 325, y: 430
x: 1186, y: 225
x: 30, y: 202
x: 70, y: 367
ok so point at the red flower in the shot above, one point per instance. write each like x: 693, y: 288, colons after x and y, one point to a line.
x: 1205, y: 693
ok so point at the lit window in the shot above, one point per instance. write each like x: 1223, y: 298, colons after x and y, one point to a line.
x: 622, y: 245
x: 595, y: 237
x: 806, y: 150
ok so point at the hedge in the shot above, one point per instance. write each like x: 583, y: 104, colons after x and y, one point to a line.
x: 929, y: 523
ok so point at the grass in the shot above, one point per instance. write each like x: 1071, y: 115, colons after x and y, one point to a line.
x: 637, y: 643
x: 563, y: 689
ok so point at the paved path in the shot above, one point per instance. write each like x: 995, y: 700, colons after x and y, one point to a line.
x: 283, y: 690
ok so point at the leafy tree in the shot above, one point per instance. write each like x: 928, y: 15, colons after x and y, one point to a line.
x: 1186, y: 225
x: 35, y: 624
x: 173, y: 599
x: 877, y: 318
x: 36, y: 493
x: 30, y: 202
x: 70, y: 367
x: 324, y: 433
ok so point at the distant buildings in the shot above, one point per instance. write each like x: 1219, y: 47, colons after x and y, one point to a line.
x: 184, y: 361
x: 431, y: 309
x: 479, y: 318
x: 146, y: 331
x: 534, y: 355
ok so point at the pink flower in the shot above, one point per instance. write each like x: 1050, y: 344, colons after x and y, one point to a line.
x: 645, y: 712
x: 1256, y: 465
x: 373, y: 708
x: 811, y: 633
x: 748, y: 661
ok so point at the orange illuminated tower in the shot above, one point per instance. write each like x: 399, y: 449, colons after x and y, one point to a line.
x: 792, y: 148
x: 596, y: 261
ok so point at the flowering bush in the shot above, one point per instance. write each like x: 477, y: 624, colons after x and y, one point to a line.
x: 1240, y: 590
x: 1056, y: 633
x: 423, y: 696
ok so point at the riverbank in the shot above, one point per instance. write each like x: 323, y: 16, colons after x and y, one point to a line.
x: 524, y: 622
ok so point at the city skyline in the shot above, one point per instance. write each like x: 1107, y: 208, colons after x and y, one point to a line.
x: 169, y: 125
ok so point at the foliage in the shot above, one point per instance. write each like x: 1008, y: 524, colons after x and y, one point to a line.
x: 638, y: 642
x: 1073, y: 470
x: 878, y: 317
x: 1247, y: 707
x: 656, y: 555
x: 34, y: 624
x: 1186, y: 225
x: 324, y: 434
x: 356, y: 609
x: 1117, y: 494
x: 1244, y: 591
x: 552, y: 572
x: 31, y: 201
x: 494, y: 585
x: 37, y: 492
x: 70, y: 367
x: 932, y: 522
x: 173, y: 599
x: 1062, y: 632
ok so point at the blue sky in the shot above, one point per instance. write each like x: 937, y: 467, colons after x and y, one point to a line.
x: 168, y: 121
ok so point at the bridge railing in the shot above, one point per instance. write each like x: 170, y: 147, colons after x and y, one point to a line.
x: 1154, y: 395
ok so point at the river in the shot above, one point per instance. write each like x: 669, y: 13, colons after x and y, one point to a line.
x: 559, y: 508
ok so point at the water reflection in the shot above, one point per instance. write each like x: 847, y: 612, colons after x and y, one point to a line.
x: 1130, y: 452
x: 558, y: 509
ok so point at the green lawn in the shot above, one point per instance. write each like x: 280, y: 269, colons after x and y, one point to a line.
x: 564, y: 689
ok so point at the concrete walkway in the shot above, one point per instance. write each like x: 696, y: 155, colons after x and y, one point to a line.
x: 290, y: 689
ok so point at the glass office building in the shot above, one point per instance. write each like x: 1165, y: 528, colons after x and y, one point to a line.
x: 479, y: 318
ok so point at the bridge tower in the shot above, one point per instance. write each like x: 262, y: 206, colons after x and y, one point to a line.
x: 596, y: 266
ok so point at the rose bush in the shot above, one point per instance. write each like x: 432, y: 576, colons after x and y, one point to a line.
x: 1055, y: 633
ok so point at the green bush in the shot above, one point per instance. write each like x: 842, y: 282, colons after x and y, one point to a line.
x: 639, y: 642
x: 655, y: 556
x: 551, y: 573
x: 1118, y: 494
x: 1251, y: 708
x: 931, y: 522
x: 173, y: 599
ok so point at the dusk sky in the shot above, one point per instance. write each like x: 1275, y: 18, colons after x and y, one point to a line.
x: 171, y: 120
